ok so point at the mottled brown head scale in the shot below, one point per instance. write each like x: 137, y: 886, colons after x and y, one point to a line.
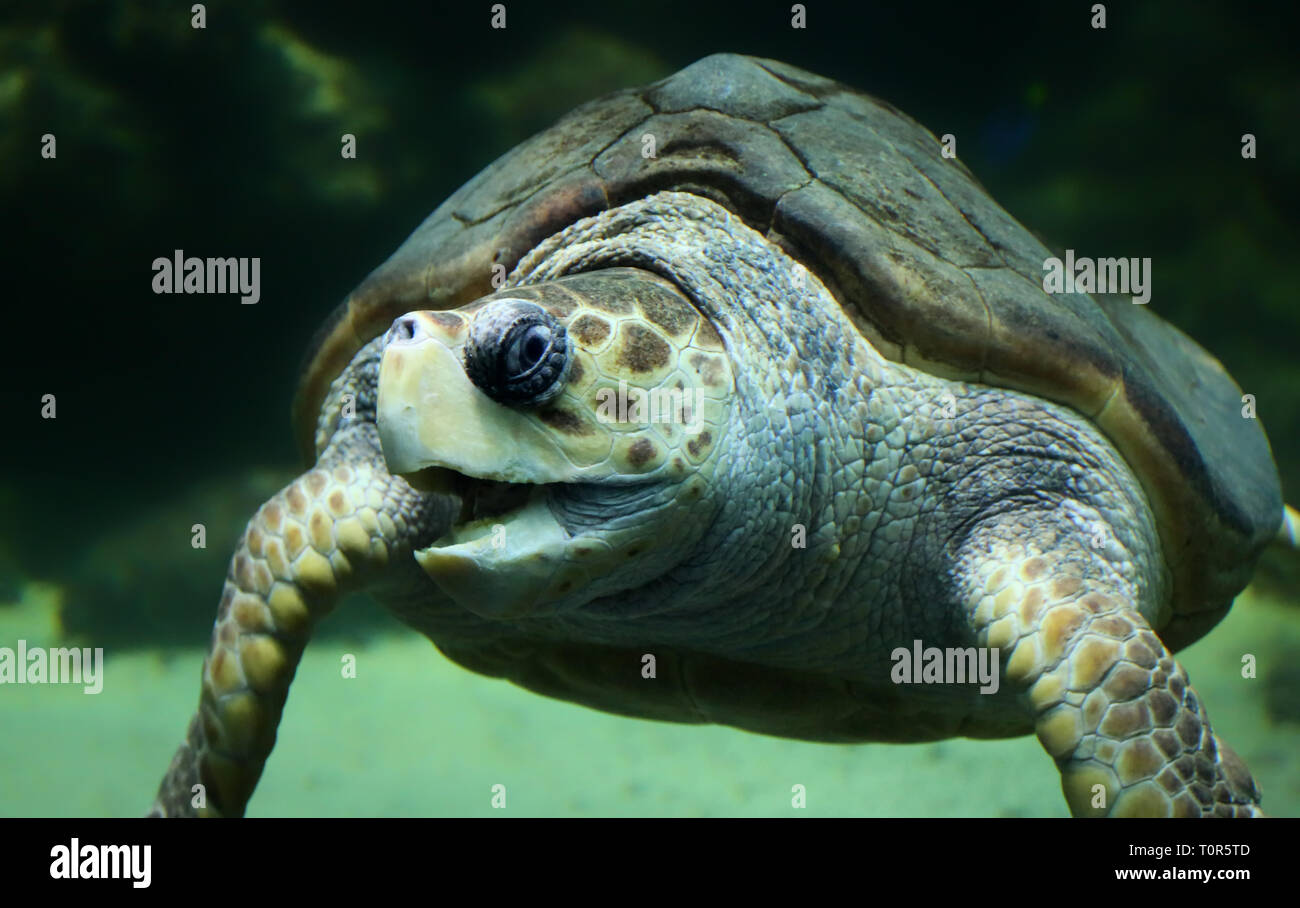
x: 607, y: 290
x: 709, y: 368
x: 641, y: 349
x: 666, y: 313
x: 699, y: 443
x: 707, y: 337
x: 452, y: 322
x: 640, y: 452
x: 590, y: 330
x: 563, y: 420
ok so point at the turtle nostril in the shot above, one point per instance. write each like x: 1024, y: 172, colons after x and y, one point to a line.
x: 404, y: 329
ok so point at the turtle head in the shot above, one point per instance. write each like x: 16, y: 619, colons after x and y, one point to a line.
x: 578, y: 420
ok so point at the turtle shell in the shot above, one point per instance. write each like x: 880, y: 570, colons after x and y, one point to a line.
x: 932, y: 271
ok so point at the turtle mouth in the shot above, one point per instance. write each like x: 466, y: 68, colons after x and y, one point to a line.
x: 521, y: 549
x: 506, y: 555
x: 483, y: 502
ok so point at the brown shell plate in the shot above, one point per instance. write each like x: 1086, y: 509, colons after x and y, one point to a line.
x: 930, y: 268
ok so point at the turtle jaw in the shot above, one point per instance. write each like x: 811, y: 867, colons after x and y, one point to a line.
x: 501, y: 553
x: 507, y: 555
x: 504, y: 566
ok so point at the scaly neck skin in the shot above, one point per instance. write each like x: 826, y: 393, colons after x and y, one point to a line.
x: 880, y: 464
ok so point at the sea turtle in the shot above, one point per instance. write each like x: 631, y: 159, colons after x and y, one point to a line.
x: 723, y: 398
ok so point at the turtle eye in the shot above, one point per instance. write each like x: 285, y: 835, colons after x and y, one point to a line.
x: 517, y: 353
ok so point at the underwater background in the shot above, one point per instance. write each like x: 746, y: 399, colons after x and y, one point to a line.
x: 173, y: 410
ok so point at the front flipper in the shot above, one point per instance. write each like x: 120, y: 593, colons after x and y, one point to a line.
x: 342, y: 525
x: 1110, y: 703
x: 324, y: 534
